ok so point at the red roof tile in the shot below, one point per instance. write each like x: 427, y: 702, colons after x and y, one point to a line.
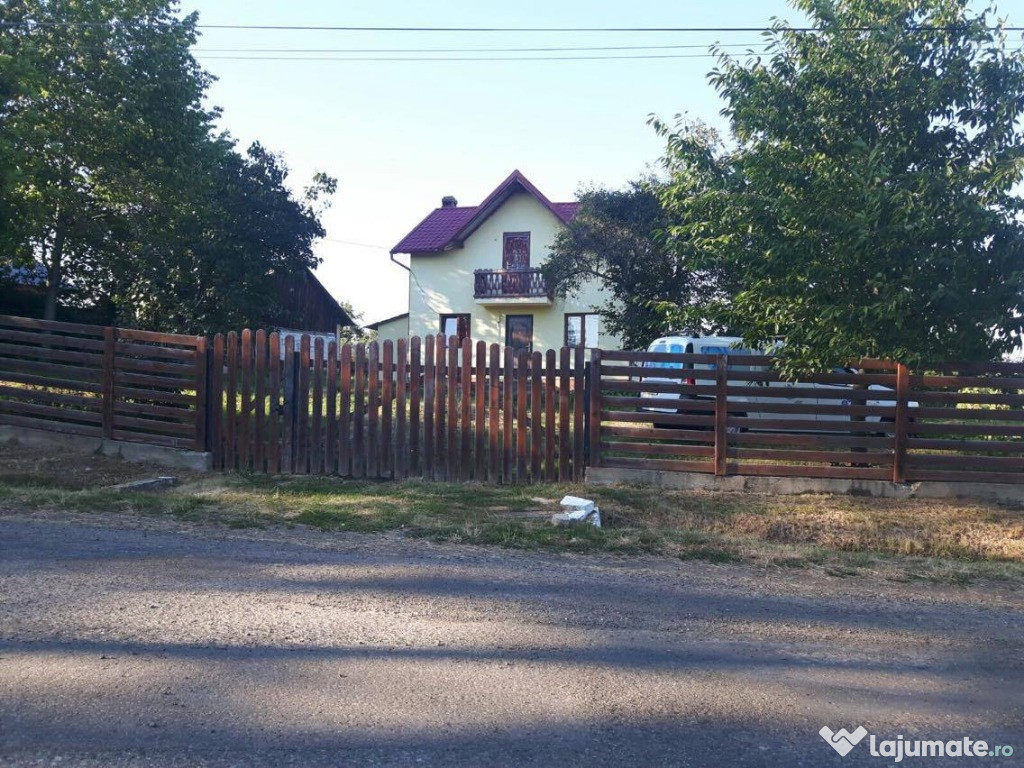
x: 444, y: 227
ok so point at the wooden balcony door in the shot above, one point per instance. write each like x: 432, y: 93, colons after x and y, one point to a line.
x: 515, y: 260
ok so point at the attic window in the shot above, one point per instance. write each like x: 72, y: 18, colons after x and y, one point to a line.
x: 515, y: 252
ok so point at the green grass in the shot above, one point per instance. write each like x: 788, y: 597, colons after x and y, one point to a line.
x: 944, y: 541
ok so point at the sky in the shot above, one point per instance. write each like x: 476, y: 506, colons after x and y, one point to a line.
x: 400, y: 135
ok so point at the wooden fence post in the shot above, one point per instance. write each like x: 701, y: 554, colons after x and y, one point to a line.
x: 595, y: 408
x: 108, y: 382
x: 202, y: 389
x: 900, y: 419
x: 721, y: 413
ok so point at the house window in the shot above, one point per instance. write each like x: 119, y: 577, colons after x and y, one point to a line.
x: 455, y: 325
x: 581, y: 329
x: 515, y: 251
x: 519, y: 332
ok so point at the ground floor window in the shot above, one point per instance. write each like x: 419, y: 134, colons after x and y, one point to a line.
x: 455, y: 325
x: 581, y: 329
x: 519, y: 332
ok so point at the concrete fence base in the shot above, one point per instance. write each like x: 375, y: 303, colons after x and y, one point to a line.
x: 135, y: 452
x: 693, y: 481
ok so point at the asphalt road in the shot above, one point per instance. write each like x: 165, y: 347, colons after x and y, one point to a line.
x: 157, y: 646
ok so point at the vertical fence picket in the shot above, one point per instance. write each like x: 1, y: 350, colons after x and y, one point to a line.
x: 480, y: 418
x: 595, y: 408
x: 386, y: 404
x: 577, y: 414
x: 563, y: 415
x: 331, y: 440
x: 373, y: 409
x: 345, y: 437
x: 900, y: 424
x: 274, y: 404
x: 415, y: 372
x: 289, y: 410
x: 439, y: 408
x: 429, y: 395
x: 109, y: 362
x: 245, y: 403
x: 202, y: 415
x: 465, y: 465
x: 536, y: 411
x: 231, y: 411
x: 302, y: 408
x: 494, y: 414
x: 260, y: 403
x: 451, y: 471
x: 550, y: 470
x: 359, y: 415
x: 508, y: 417
x: 316, y: 431
x: 522, y: 456
x: 401, y: 452
x: 216, y: 395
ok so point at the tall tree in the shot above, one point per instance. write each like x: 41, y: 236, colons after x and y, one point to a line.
x: 866, y: 204
x: 617, y: 240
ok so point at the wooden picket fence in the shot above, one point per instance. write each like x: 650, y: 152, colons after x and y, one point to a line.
x: 434, y: 408
x: 105, y: 382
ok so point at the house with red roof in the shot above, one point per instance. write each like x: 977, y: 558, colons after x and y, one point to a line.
x: 475, y: 271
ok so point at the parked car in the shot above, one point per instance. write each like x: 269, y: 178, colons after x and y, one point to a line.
x: 818, y: 394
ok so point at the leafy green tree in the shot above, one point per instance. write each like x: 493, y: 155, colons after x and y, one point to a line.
x: 118, y: 185
x: 617, y: 240
x: 866, y: 204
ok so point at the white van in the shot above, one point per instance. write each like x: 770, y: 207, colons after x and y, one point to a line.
x: 733, y: 347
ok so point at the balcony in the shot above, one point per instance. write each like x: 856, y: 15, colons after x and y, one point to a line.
x: 525, y: 287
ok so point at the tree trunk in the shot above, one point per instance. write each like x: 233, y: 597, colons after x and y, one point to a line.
x: 54, y: 272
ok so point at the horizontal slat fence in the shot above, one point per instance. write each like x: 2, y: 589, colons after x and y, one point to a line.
x: 736, y: 415
x: 434, y: 408
x: 97, y: 381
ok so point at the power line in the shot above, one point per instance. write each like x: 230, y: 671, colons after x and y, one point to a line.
x: 458, y: 58
x: 473, y: 50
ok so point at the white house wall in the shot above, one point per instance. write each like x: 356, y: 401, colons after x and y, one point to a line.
x: 442, y: 283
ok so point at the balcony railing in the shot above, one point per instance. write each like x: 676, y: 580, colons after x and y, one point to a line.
x: 501, y: 283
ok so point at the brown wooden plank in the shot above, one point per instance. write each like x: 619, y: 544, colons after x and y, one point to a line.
x: 373, y: 410
x: 274, y: 403
x: 965, y: 462
x: 67, y: 342
x: 231, y: 404
x: 246, y: 404
x: 345, y: 397
x: 401, y: 410
x: 175, y: 371
x: 578, y: 406
x: 721, y: 415
x: 316, y: 431
x: 564, y: 395
x: 794, y: 470
x: 985, y: 446
x: 359, y: 463
x: 289, y: 415
x: 550, y: 426
x: 331, y: 416
x: 464, y: 469
x: 686, y: 419
x: 595, y: 407
x: 793, y: 440
x: 54, y: 413
x: 137, y: 437
x: 63, y: 427
x: 919, y: 380
x: 451, y: 471
x: 175, y: 339
x: 610, y: 448
x: 88, y: 402
x: 664, y: 465
x: 429, y: 397
x: 13, y: 352
x: 202, y: 417
x: 216, y: 395
x: 880, y: 411
x: 967, y: 414
x: 968, y: 398
x: 480, y: 414
x: 440, y: 408
x: 522, y: 399
x: 809, y: 456
x: 415, y: 390
x: 387, y: 468
x: 152, y: 381
x: 185, y: 415
x: 108, y: 374
x: 302, y: 397
x: 59, y: 374
x: 508, y: 418
x: 155, y: 427
x: 621, y: 356
x: 259, y: 401
x: 536, y: 416
x: 807, y: 425
x: 648, y: 435
x: 494, y: 415
x: 152, y: 352
x: 51, y: 325
x: 971, y: 430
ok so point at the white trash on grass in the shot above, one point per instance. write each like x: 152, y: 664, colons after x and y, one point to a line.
x: 577, y: 510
